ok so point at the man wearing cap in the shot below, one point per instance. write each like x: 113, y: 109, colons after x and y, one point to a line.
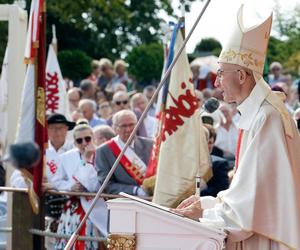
x: 261, y: 208
x: 58, y: 127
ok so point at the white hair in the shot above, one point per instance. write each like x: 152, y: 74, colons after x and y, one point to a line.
x: 89, y: 102
x: 126, y: 112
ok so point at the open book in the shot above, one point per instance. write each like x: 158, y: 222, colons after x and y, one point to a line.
x: 149, y: 203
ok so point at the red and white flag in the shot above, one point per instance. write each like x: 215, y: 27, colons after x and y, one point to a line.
x: 33, y: 29
x: 32, y: 123
x: 183, y: 151
x: 56, y: 94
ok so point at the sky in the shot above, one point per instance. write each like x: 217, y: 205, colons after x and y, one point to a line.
x: 220, y: 16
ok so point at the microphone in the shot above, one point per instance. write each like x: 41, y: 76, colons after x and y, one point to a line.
x: 23, y: 155
x: 210, y: 105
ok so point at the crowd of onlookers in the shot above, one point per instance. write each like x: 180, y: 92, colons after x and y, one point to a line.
x: 103, y: 111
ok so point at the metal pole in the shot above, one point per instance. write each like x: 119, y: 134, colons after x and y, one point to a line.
x: 104, y: 184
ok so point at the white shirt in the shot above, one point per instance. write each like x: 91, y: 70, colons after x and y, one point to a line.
x: 72, y: 168
x: 227, y: 139
x: 150, y: 126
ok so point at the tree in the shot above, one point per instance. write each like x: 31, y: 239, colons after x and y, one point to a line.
x: 146, y: 62
x: 3, y: 34
x: 287, y: 49
x: 208, y: 45
x: 75, y: 64
x: 276, y: 50
x: 105, y: 28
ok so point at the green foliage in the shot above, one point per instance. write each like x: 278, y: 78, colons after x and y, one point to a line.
x: 3, y: 34
x: 105, y: 28
x: 208, y: 45
x: 286, y: 49
x: 74, y: 64
x: 146, y: 62
x: 276, y: 50
x: 3, y: 40
x: 293, y: 63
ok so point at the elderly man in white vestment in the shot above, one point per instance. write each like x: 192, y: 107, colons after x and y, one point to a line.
x: 261, y: 208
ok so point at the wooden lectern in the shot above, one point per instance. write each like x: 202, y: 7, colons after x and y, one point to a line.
x: 134, y: 225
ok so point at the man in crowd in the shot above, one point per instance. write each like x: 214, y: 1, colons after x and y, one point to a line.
x: 121, y: 74
x: 74, y: 96
x: 120, y: 101
x: 276, y: 75
x: 58, y: 127
x: 138, y: 103
x: 88, y: 89
x: 88, y: 109
x: 149, y: 92
x: 102, y: 133
x: 129, y: 175
x: 261, y: 208
x: 107, y: 74
x: 96, y: 72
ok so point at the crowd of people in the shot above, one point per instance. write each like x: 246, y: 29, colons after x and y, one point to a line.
x: 103, y: 111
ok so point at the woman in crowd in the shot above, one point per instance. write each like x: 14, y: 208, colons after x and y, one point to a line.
x: 76, y: 172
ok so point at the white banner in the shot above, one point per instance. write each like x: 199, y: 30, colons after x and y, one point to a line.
x: 184, y: 152
x: 4, y: 101
x: 25, y: 132
x: 56, y: 94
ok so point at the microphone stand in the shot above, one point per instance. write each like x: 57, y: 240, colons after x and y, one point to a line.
x: 130, y: 139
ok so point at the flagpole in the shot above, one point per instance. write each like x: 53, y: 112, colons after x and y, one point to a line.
x: 40, y: 133
x: 40, y: 114
x: 54, y: 39
x: 75, y: 235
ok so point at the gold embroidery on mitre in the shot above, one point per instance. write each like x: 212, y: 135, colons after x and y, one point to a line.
x: 247, y: 58
x: 40, y: 106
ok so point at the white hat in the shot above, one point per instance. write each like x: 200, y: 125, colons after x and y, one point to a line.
x: 247, y: 47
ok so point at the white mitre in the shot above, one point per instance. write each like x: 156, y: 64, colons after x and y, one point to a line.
x: 247, y: 47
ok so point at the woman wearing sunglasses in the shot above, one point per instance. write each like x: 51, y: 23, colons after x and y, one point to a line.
x: 76, y: 172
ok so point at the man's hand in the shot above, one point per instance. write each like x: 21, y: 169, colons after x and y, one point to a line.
x: 77, y: 188
x: 187, y: 202
x: 191, y: 208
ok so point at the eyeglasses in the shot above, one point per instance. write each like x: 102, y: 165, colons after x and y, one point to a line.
x: 220, y: 72
x: 80, y: 140
x: 121, y: 102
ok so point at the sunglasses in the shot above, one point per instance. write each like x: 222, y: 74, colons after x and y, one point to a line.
x: 80, y: 140
x: 121, y: 102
